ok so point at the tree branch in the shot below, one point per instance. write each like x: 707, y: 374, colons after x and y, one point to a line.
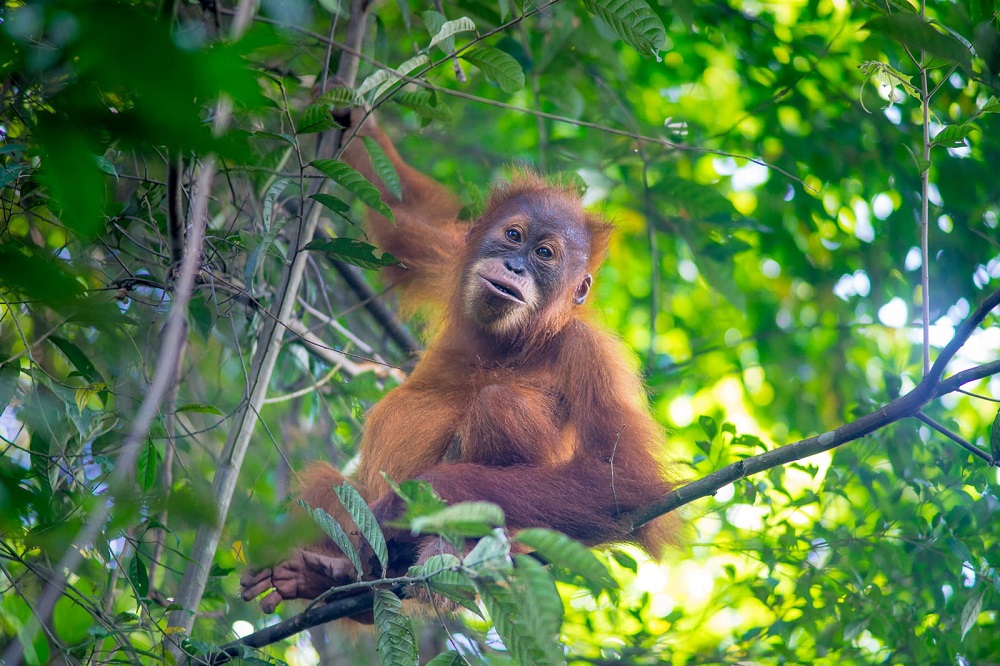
x: 328, y: 612
x: 930, y: 388
x: 269, y: 343
x: 909, y: 405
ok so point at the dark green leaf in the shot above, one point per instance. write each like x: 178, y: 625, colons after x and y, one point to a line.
x: 383, y: 167
x: 138, y: 576
x: 917, y: 34
x: 105, y: 165
x: 633, y: 21
x: 316, y: 118
x: 396, y: 644
x: 498, y: 67
x: 9, y: 375
x: 708, y: 426
x: 952, y: 136
x: 199, y: 408
x: 331, y: 202
x: 424, y: 104
x: 355, y: 183
x: 449, y: 658
x: 571, y: 555
x: 146, y: 466
x: 35, y: 276
x: 71, y: 621
x: 445, y: 578
x: 365, y: 520
x: 336, y: 533
x: 341, y: 97
x: 79, y: 360
x: 517, y: 619
x: 69, y: 170
x: 353, y: 252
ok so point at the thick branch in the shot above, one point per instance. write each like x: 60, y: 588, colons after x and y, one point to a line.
x: 328, y: 612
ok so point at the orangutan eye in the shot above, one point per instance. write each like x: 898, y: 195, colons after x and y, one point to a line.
x: 513, y: 235
x: 544, y: 251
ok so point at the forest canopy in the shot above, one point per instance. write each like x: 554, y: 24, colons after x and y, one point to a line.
x: 806, y: 253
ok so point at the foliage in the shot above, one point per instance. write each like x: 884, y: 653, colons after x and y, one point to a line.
x: 781, y: 175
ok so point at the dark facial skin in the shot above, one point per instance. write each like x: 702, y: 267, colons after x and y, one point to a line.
x: 533, y: 254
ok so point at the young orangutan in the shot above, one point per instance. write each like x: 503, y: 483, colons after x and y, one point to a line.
x: 519, y: 400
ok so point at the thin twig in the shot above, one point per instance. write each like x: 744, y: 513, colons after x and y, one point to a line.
x: 965, y: 444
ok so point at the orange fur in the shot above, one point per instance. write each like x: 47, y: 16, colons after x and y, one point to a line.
x: 519, y: 399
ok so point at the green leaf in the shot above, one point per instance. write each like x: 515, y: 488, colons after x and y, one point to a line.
x: 424, y: 104
x: 970, y: 612
x: 138, y: 576
x: 336, y: 205
x: 341, y: 97
x: 105, y: 165
x: 562, y: 551
x: 499, y: 67
x: 449, y: 658
x: 383, y: 167
x: 992, y: 106
x: 336, y: 533
x: 316, y: 118
x: 994, y: 436
x: 633, y: 21
x: 199, y: 408
x: 922, y: 164
x: 146, y: 466
x: 517, y: 616
x: 396, y: 644
x: 376, y: 80
x: 267, y: 241
x: 9, y: 174
x: 625, y: 560
x: 9, y: 375
x: 355, y: 183
x: 71, y: 621
x: 708, y: 426
x: 490, y: 555
x: 917, y: 34
x: 353, y: 252
x: 79, y: 360
x: 333, y: 203
x: 363, y: 517
x: 451, y: 28
x: 36, y: 276
x: 270, y: 197
x: 420, y: 498
x: 68, y: 169
x: 539, y: 590
x: 287, y: 138
x: 952, y: 136
x: 445, y: 578
x: 465, y: 519
x: 404, y: 70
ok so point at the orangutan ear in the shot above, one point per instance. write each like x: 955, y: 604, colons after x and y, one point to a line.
x: 582, y: 290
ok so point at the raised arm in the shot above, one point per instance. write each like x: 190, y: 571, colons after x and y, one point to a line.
x: 426, y: 236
